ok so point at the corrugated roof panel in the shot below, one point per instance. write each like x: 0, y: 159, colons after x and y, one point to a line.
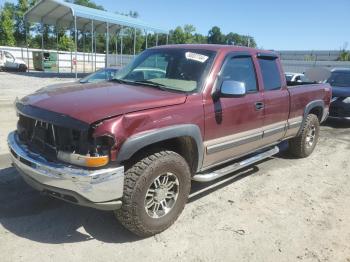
x: 58, y: 12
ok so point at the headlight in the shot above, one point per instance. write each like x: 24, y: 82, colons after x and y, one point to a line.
x: 97, y: 155
x: 346, y: 100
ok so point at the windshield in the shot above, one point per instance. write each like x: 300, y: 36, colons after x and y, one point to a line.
x: 100, y: 75
x: 180, y: 70
x: 340, y: 79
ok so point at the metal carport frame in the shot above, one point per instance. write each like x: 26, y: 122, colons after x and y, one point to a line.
x: 67, y: 15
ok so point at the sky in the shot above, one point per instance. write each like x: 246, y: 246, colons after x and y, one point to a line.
x: 275, y: 24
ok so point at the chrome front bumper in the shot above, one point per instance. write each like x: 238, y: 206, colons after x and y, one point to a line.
x: 101, y: 189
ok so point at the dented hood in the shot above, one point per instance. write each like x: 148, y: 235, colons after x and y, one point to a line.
x: 93, y: 102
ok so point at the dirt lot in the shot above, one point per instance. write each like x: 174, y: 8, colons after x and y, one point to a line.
x: 279, y: 210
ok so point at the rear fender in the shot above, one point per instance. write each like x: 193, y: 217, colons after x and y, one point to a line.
x: 309, y: 107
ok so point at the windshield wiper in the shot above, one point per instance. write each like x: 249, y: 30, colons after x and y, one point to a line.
x: 151, y: 83
x: 121, y: 81
x: 141, y: 82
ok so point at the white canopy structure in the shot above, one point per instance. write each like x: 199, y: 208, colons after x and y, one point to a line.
x: 67, y: 15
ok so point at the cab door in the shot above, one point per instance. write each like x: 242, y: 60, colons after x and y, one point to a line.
x: 233, y: 125
x: 276, y: 98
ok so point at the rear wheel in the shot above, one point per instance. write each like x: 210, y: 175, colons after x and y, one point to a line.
x: 156, y: 189
x: 304, y: 144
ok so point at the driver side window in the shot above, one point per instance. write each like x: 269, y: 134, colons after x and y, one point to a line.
x: 9, y: 56
x: 241, y: 69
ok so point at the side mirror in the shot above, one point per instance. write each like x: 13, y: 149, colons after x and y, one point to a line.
x: 230, y: 88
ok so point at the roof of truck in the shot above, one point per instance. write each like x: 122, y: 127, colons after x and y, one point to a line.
x: 215, y: 47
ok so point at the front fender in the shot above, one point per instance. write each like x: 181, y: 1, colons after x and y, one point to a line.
x: 139, y: 141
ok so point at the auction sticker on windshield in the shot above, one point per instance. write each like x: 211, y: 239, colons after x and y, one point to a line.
x: 196, y: 57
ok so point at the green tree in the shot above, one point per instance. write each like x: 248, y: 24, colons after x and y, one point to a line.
x: 66, y: 43
x: 183, y: 35
x: 87, y: 3
x: 240, y: 40
x: 20, y: 27
x: 200, y: 39
x: 215, y: 36
x: 7, y: 25
x: 344, y: 56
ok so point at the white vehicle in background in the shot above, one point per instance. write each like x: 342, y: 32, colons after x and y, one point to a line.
x: 9, y: 62
x: 296, y: 77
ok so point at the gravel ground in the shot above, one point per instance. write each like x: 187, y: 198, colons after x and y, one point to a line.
x: 281, y: 209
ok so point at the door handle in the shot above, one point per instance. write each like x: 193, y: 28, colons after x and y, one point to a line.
x: 259, y: 105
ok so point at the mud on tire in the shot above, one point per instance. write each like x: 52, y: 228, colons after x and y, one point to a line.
x: 156, y: 189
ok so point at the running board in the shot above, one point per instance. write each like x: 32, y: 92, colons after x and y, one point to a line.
x: 207, y: 177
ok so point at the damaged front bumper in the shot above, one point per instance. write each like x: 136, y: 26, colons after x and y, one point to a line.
x: 101, y: 189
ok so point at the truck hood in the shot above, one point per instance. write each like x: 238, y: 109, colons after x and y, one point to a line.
x: 340, y: 91
x: 94, y: 102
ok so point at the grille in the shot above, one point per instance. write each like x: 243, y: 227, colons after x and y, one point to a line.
x: 47, y: 139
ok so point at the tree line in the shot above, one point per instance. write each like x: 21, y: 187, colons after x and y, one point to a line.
x: 13, y: 33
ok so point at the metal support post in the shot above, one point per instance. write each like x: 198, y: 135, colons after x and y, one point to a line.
x: 57, y: 49
x: 121, y: 47
x: 83, y: 51
x: 76, y: 47
x: 27, y: 33
x: 116, y: 49
x: 134, y: 42
x: 92, y: 45
x: 146, y: 39
x: 107, y: 45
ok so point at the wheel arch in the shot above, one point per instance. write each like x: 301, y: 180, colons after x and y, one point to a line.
x: 184, y: 139
x: 315, y: 107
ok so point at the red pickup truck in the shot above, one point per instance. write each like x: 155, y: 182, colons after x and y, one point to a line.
x: 175, y: 114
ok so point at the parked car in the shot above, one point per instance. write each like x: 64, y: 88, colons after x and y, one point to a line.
x: 133, y: 145
x: 340, y: 82
x: 103, y: 74
x: 296, y: 77
x: 9, y: 62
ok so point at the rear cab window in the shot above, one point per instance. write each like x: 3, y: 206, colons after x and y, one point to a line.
x: 270, y: 72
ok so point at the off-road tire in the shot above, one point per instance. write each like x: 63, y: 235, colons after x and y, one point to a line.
x: 138, y: 179
x: 299, y: 146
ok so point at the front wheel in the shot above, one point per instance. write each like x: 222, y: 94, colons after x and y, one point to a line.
x: 304, y: 144
x: 156, y: 189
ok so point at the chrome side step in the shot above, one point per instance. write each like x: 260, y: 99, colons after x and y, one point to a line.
x: 206, y: 177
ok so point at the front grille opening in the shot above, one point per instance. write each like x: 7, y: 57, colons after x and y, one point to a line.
x: 47, y: 139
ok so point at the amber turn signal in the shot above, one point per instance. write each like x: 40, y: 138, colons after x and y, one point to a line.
x: 96, y: 161
x: 81, y: 160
